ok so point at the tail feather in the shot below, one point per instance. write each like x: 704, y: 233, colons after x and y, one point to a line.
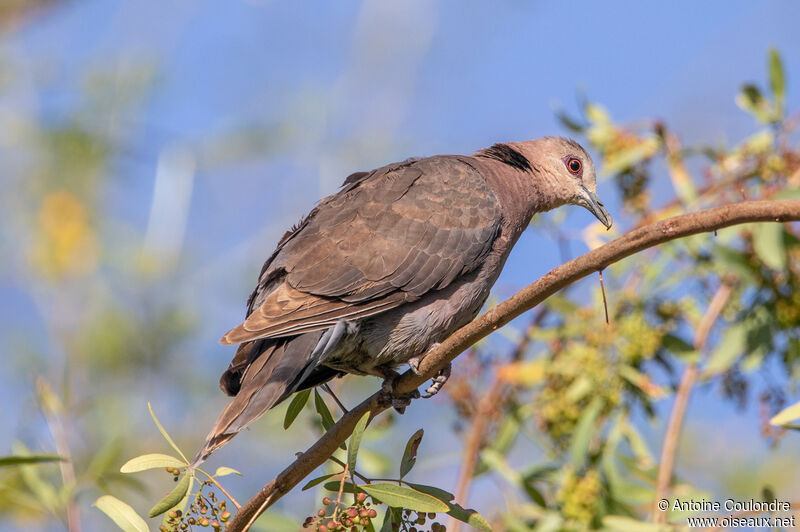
x: 270, y: 371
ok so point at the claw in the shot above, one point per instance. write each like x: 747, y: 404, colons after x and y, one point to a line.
x: 438, y: 381
x: 398, y: 401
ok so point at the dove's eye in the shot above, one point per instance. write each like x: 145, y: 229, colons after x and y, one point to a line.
x: 574, y: 165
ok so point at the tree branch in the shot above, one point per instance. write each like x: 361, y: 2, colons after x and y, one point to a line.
x: 595, y: 260
x: 675, y: 423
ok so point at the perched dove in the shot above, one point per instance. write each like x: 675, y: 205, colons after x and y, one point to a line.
x: 389, y: 266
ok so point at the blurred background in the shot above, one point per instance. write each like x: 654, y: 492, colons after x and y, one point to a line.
x: 152, y: 153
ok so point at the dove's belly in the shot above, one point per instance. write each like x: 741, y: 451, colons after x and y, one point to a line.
x: 392, y: 338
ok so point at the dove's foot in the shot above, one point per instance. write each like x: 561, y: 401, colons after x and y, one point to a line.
x: 398, y: 401
x: 438, y: 380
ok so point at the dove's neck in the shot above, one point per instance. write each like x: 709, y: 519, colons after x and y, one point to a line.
x: 521, y: 193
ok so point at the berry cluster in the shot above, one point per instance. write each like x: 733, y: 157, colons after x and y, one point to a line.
x: 205, y: 511
x: 352, y: 519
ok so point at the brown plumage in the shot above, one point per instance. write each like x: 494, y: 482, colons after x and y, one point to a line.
x: 391, y: 264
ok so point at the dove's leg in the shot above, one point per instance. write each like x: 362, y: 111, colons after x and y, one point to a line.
x: 398, y: 401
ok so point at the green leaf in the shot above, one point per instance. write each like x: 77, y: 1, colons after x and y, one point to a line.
x: 404, y: 497
x: 181, y: 504
x: 470, y: 517
x: 30, y: 459
x: 777, y: 81
x: 173, y: 497
x: 150, y: 461
x: 318, y: 480
x: 224, y: 471
x: 768, y: 245
x: 785, y: 416
x: 121, y: 513
x: 497, y: 463
x: 433, y: 491
x: 568, y: 122
x: 392, y: 516
x: 164, y: 433
x: 631, y: 156
x: 732, y: 345
x: 355, y: 441
x: 582, y: 437
x: 323, y: 411
x: 334, y: 486
x: 751, y: 100
x: 410, y: 454
x: 752, y: 95
x: 295, y: 407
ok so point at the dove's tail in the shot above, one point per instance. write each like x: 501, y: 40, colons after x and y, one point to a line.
x: 261, y: 375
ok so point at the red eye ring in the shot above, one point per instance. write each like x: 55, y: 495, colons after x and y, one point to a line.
x: 574, y: 165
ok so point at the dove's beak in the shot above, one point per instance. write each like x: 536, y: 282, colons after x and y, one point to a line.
x: 595, y: 206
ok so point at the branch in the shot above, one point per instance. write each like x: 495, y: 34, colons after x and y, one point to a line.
x: 597, y: 259
x: 670, y: 447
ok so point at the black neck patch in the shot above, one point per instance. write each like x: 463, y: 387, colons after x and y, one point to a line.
x: 507, y: 155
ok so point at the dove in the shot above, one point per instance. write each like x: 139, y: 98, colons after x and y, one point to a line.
x: 389, y: 266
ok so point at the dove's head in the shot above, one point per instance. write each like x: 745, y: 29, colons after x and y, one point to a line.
x: 565, y: 173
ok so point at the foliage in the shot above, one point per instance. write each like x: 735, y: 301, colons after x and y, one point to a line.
x: 581, y: 383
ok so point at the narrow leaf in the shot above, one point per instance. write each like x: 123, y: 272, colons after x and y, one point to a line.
x: 334, y: 486
x: 410, y: 454
x: 470, y: 517
x: 768, y: 245
x: 732, y: 345
x: 404, y: 497
x: 30, y: 459
x: 181, y: 504
x: 172, y: 498
x: 318, y: 480
x: 121, y: 513
x: 164, y: 433
x: 224, y: 471
x: 579, y: 447
x: 323, y: 411
x: 150, y: 461
x: 392, y: 516
x: 355, y: 442
x: 296, y: 406
x: 787, y: 415
x: 777, y: 81
x: 439, y: 493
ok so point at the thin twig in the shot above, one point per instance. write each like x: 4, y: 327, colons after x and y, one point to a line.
x: 52, y: 413
x: 336, y: 399
x: 223, y: 490
x: 603, y: 290
x: 341, y: 490
x: 676, y: 416
x: 558, y: 278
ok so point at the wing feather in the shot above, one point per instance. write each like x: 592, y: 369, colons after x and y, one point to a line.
x: 386, y: 238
